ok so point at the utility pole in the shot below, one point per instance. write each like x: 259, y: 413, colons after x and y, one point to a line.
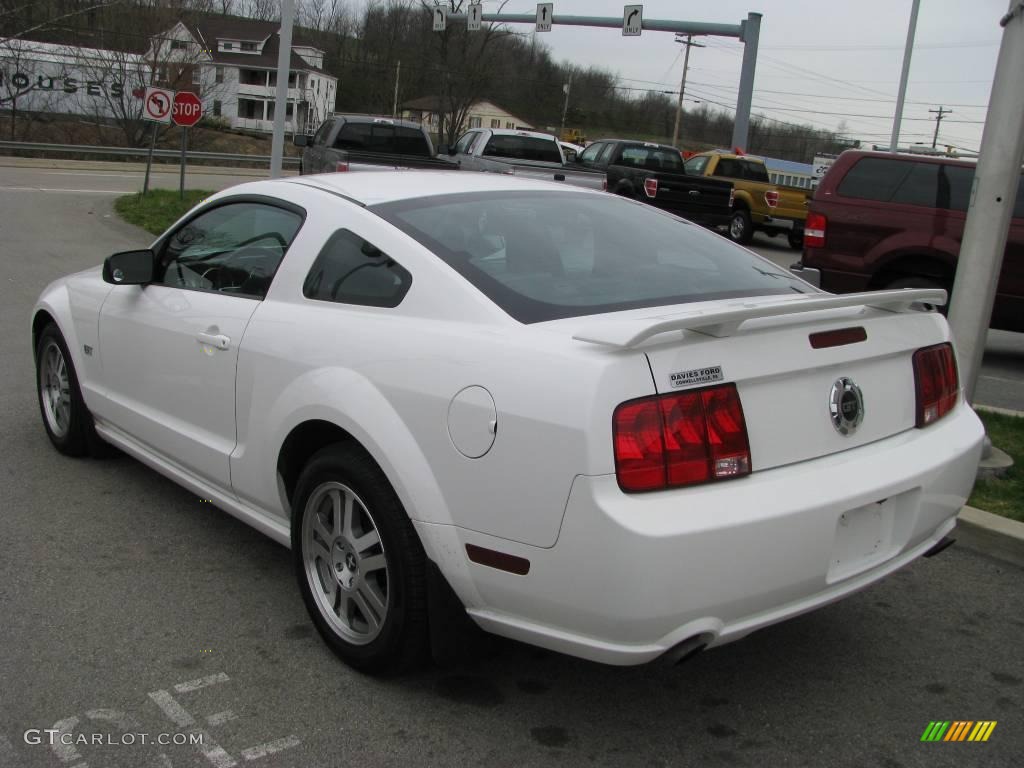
x: 939, y: 113
x: 565, y: 107
x: 394, y: 104
x: 904, y: 75
x: 682, y: 85
x: 281, y: 97
x: 988, y: 216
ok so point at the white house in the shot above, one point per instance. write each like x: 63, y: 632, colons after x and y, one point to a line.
x: 482, y: 114
x: 232, y: 63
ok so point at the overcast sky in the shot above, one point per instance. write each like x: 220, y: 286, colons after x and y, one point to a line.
x: 846, y: 56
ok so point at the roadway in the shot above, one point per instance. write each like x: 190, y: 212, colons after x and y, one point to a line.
x: 129, y: 605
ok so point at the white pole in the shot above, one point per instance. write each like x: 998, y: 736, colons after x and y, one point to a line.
x: 898, y: 117
x: 284, y: 55
x: 996, y: 181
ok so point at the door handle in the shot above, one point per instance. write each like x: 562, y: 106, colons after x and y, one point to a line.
x: 218, y: 340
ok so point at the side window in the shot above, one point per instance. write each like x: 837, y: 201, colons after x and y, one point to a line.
x: 606, y: 154
x: 233, y: 248
x: 921, y: 187
x: 874, y: 178
x: 465, y: 141
x: 589, y: 155
x: 728, y: 168
x: 634, y: 156
x: 955, y: 182
x: 321, y: 134
x: 758, y: 172
x: 696, y: 165
x: 350, y: 270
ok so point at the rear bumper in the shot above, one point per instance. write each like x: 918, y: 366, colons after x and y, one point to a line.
x: 632, y: 576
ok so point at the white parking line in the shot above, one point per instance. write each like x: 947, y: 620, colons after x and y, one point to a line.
x: 220, y: 718
x: 202, y: 682
x: 174, y: 711
x: 271, y: 747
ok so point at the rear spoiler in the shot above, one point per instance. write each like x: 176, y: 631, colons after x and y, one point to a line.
x: 624, y: 334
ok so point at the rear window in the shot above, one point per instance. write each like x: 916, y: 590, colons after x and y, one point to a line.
x: 382, y: 137
x: 651, y: 158
x: 523, y: 148
x: 544, y: 256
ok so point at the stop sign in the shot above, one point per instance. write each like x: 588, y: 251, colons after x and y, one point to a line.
x: 187, y: 109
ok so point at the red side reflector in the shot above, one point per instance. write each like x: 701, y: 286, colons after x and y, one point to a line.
x: 771, y: 197
x: 814, y: 230
x: 500, y: 560
x: 936, y: 382
x: 651, y: 187
x: 837, y: 338
x: 680, y: 439
x: 341, y: 167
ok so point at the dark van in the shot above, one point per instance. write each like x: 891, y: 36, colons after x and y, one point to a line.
x: 881, y: 220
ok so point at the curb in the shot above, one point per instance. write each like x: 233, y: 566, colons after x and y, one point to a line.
x: 994, y: 523
x: 994, y: 409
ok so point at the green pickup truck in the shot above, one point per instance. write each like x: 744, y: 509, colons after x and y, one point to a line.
x: 759, y: 205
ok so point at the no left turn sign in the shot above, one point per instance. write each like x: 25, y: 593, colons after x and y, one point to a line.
x: 157, y: 105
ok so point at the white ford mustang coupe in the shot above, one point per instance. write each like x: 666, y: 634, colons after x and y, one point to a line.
x: 581, y: 421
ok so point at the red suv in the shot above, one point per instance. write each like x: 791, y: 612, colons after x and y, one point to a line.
x: 881, y: 220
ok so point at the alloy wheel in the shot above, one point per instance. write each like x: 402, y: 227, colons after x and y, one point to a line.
x: 55, y: 389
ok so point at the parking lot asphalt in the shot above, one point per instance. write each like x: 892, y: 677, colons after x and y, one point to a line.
x: 128, y: 605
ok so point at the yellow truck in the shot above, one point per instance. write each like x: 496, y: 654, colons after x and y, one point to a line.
x: 759, y: 205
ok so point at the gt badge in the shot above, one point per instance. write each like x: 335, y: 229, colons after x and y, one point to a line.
x: 846, y: 406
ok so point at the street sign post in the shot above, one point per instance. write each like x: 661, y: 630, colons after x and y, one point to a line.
x: 440, y: 18
x: 157, y: 105
x: 632, y: 20
x: 544, y: 13
x: 474, y: 17
x: 186, y: 113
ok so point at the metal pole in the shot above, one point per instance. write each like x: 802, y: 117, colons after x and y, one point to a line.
x: 898, y: 117
x: 565, y: 106
x: 394, y: 104
x: 682, y: 89
x: 181, y: 174
x: 996, y: 181
x: 750, y: 36
x: 149, y: 160
x: 284, y: 54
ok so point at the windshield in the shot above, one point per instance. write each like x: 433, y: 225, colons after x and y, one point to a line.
x: 548, y: 255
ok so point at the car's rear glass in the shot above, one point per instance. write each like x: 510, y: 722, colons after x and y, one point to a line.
x: 382, y: 137
x: 651, y: 158
x: 523, y: 148
x: 549, y: 255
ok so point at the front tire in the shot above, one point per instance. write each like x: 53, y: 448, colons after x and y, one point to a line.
x: 67, y: 421
x: 741, y: 229
x: 359, y: 563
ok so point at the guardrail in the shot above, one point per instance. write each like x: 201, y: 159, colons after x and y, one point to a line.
x: 173, y: 154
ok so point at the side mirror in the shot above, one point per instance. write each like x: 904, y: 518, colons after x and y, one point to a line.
x: 129, y: 268
x: 300, y: 140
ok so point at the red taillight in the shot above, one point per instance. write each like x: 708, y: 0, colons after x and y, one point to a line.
x: 814, y: 230
x: 651, y: 187
x: 771, y: 198
x: 680, y: 439
x: 936, y: 382
x: 341, y: 166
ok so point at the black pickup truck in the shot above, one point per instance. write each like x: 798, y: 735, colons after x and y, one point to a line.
x: 654, y: 173
x: 365, y: 143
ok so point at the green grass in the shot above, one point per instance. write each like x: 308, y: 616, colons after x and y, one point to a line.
x: 1003, y: 495
x: 156, y: 211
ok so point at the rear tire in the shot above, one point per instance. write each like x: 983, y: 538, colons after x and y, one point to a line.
x: 916, y: 281
x: 66, y: 419
x: 359, y: 563
x: 741, y: 229
x: 796, y: 239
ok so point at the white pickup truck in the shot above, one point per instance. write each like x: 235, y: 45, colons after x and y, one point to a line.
x: 518, y: 153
